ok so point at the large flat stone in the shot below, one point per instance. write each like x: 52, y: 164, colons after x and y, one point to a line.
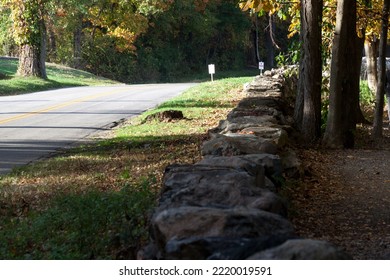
x: 237, y: 124
x: 216, y: 186
x: 219, y: 248
x: 302, y: 249
x: 238, y: 144
x: 258, y: 111
x: 272, y: 165
x: 198, y: 222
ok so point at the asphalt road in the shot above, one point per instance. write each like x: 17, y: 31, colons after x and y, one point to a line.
x: 33, y: 126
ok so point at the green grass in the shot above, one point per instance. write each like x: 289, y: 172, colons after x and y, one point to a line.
x: 367, y: 97
x: 199, y: 106
x: 220, y: 75
x: 82, y: 226
x: 94, y: 202
x: 58, y: 77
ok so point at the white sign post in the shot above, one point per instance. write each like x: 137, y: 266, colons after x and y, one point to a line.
x: 212, y: 71
x: 261, y: 67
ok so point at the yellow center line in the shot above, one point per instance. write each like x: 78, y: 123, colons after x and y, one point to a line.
x: 61, y: 105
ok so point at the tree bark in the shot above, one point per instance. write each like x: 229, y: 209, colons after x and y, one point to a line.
x: 257, y: 38
x: 344, y: 82
x: 51, y: 42
x: 77, y: 43
x: 32, y: 59
x: 269, y: 45
x: 370, y: 47
x: 30, y: 34
x: 308, y: 103
x: 52, y: 47
x: 380, y: 91
x: 358, y: 66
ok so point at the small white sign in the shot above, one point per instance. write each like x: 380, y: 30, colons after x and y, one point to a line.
x: 211, y: 69
x: 261, y: 65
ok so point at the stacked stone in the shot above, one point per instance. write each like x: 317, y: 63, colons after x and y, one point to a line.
x: 227, y: 205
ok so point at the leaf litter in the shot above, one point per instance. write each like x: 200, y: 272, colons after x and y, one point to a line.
x: 344, y: 197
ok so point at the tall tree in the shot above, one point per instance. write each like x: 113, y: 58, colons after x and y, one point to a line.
x: 30, y: 35
x: 370, y: 15
x: 344, y: 79
x: 380, y: 91
x: 308, y: 103
x: 370, y: 47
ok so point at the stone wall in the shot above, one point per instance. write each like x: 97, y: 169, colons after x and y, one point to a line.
x: 227, y: 205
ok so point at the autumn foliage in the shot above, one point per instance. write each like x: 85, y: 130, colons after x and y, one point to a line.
x: 134, y: 40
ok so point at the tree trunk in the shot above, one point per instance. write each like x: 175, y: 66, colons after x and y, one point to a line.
x: 52, y: 48
x: 308, y: 104
x: 370, y: 47
x: 344, y: 90
x: 358, y: 66
x: 269, y: 45
x: 380, y: 91
x: 77, y: 43
x: 43, y: 50
x: 32, y: 60
x: 51, y: 42
x: 299, y: 101
x: 387, y: 89
x: 257, y: 39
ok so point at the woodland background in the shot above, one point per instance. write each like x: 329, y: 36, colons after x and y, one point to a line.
x: 152, y: 41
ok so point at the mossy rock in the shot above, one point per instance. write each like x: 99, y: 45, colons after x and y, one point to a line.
x: 166, y: 116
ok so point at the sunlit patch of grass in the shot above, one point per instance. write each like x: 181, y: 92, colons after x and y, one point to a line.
x: 202, y: 106
x: 58, y: 77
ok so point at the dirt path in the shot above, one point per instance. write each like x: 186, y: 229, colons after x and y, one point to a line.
x: 345, y: 199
